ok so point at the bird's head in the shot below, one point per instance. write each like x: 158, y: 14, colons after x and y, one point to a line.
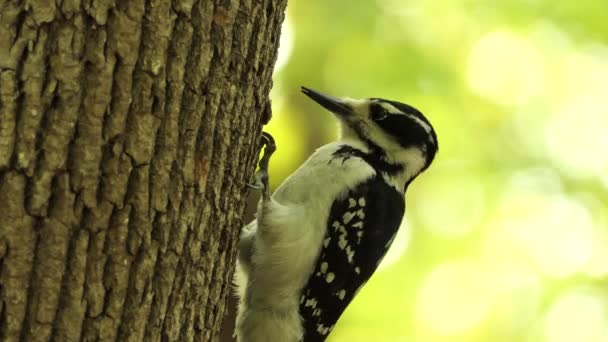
x: 395, y: 132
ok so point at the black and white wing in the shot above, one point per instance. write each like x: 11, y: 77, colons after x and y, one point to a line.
x: 360, y: 229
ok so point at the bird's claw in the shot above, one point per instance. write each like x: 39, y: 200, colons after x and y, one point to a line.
x: 260, y: 178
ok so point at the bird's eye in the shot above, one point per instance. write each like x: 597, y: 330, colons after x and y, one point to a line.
x: 379, y: 113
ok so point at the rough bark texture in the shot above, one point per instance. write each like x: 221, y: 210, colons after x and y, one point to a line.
x: 127, y: 131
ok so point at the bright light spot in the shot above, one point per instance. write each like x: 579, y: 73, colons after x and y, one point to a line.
x: 584, y: 70
x: 437, y: 195
x: 455, y: 298
x: 518, y: 291
x: 555, y: 232
x: 406, y: 15
x: 285, y: 45
x: 399, y: 246
x: 598, y: 265
x: 604, y: 180
x: 540, y: 180
x: 552, y: 39
x: 506, y: 68
x: 558, y: 235
x: 576, y: 136
x: 577, y: 316
x: 524, y: 137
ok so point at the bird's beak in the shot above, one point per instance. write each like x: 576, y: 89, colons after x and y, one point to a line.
x: 330, y: 103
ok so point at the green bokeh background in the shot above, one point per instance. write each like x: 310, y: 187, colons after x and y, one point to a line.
x: 506, y: 235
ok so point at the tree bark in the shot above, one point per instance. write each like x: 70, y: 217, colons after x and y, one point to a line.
x: 127, y: 131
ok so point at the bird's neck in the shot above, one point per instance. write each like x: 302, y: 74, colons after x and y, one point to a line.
x: 398, y: 168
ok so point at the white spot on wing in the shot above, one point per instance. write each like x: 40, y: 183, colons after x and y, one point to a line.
x: 324, y: 266
x: 323, y: 330
x: 362, y: 202
x: 360, y: 214
x: 347, y: 217
x: 350, y: 254
x: 358, y: 225
x: 351, y: 202
x: 357, y: 270
x: 330, y: 277
x: 342, y: 294
x: 311, y: 303
x: 342, y: 242
x: 326, y: 242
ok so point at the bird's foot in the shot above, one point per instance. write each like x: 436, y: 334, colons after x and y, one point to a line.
x: 260, y: 178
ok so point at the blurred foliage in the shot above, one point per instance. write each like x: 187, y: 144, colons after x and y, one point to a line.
x: 506, y: 235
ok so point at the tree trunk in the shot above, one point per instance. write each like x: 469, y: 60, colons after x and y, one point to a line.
x: 127, y: 131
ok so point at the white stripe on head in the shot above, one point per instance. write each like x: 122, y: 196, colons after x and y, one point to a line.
x: 390, y: 108
x: 424, y: 125
x: 359, y: 106
x: 394, y: 110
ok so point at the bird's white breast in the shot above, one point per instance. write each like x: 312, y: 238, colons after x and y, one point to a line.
x: 323, y: 178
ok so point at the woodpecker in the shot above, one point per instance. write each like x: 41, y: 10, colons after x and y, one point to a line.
x: 321, y: 235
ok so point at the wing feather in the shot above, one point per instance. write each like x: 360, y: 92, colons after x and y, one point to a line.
x: 360, y: 228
